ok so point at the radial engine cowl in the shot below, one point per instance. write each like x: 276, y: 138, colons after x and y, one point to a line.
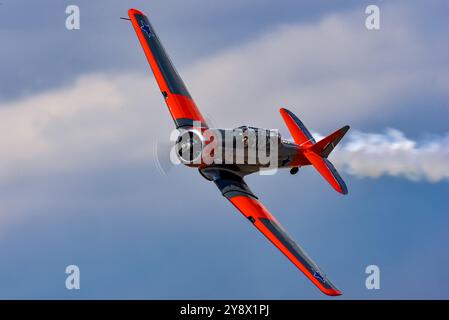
x: 189, y: 146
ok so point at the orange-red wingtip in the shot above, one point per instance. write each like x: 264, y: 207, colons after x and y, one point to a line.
x: 134, y: 11
x: 332, y: 292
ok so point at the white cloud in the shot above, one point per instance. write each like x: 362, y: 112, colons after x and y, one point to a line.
x: 327, y: 72
x: 393, y: 154
x: 97, y: 120
x: 102, y: 121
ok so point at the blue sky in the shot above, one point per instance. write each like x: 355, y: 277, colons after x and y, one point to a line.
x: 80, y: 114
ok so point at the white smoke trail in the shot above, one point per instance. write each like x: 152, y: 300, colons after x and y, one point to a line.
x: 392, y: 153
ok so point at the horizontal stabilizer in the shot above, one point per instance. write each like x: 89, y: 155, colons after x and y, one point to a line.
x: 299, y: 132
x: 327, y: 170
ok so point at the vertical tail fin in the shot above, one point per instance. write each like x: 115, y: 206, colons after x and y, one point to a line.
x: 317, y: 152
x: 325, y: 146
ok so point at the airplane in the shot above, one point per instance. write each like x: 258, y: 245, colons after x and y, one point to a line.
x: 229, y: 176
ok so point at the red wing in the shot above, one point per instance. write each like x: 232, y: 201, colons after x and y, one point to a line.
x: 180, y: 104
x: 270, y: 227
x: 237, y: 192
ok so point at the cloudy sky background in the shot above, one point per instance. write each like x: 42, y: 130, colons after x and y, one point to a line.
x: 80, y: 114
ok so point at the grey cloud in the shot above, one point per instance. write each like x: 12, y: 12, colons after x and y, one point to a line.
x: 326, y: 71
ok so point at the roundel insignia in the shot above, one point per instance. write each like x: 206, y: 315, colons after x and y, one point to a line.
x: 145, y: 28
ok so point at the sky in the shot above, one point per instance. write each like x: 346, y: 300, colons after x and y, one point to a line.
x: 80, y: 116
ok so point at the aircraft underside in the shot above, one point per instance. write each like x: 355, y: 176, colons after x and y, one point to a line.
x: 226, y: 156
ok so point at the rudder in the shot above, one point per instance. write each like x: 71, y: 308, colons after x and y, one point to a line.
x: 325, y: 146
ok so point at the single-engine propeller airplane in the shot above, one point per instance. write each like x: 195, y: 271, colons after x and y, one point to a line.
x: 228, y: 176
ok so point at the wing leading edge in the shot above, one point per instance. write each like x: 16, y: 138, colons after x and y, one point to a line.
x: 234, y: 188
x: 180, y: 104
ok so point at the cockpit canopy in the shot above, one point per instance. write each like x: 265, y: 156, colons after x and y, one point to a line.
x: 248, y: 136
x: 260, y: 131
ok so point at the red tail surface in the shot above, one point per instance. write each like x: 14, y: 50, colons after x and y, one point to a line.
x: 317, y: 152
x: 325, y: 146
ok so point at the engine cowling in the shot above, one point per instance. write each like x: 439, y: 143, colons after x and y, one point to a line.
x: 189, y: 147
